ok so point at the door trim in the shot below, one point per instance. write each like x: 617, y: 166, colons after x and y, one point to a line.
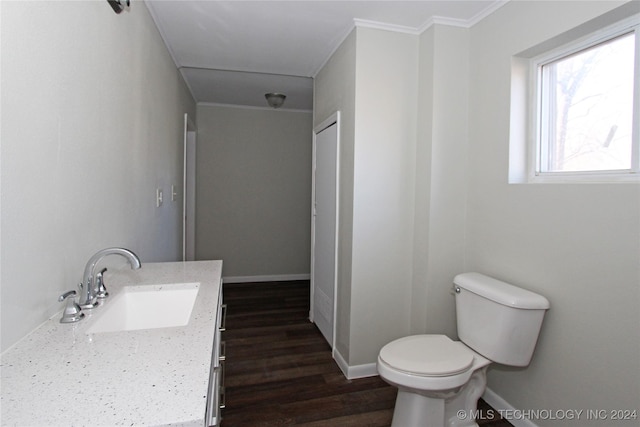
x: 188, y: 189
x: 331, y: 120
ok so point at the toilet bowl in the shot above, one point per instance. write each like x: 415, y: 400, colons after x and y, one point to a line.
x: 433, y: 375
x: 440, y: 380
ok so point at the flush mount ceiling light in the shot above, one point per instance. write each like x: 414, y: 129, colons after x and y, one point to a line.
x: 118, y: 5
x: 275, y: 100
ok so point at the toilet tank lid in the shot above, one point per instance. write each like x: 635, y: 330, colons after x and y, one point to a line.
x: 501, y: 292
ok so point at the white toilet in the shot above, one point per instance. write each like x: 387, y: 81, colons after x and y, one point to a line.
x: 439, y: 380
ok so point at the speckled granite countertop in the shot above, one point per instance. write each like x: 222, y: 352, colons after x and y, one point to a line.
x: 59, y: 375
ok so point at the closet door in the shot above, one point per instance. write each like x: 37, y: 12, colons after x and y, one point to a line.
x: 324, y: 230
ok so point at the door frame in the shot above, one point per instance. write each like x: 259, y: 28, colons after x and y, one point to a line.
x: 189, y: 189
x: 331, y: 120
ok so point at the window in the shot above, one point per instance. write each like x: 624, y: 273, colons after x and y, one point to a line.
x: 587, y: 105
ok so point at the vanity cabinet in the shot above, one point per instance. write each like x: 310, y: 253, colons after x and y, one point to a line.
x: 133, y: 377
x: 215, y: 397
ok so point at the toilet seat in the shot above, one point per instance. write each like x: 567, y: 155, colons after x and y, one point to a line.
x: 427, y: 356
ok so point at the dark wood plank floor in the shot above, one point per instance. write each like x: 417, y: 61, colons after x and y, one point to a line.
x: 279, y: 370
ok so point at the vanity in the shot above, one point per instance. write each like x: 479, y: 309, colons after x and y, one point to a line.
x: 112, y: 368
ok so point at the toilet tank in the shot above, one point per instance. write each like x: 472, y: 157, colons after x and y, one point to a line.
x: 498, y: 320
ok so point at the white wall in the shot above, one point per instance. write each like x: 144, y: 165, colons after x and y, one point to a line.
x: 254, y: 190
x: 92, y: 117
x: 578, y: 245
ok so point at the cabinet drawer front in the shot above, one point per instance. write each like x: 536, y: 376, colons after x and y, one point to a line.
x: 215, y: 399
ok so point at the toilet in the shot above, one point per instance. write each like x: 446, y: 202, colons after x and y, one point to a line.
x: 440, y: 380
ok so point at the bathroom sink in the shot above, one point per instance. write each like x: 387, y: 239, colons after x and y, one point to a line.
x: 146, y: 307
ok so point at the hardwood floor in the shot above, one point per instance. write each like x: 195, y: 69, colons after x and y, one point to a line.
x: 279, y: 370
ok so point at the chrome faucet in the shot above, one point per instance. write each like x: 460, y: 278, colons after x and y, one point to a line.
x: 89, y: 287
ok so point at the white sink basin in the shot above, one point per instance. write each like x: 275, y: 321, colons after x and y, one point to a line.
x: 146, y: 307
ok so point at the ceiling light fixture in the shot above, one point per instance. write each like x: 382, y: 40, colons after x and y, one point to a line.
x: 275, y: 100
x: 119, y: 5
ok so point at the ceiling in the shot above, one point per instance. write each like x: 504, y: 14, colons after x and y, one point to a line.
x: 233, y: 52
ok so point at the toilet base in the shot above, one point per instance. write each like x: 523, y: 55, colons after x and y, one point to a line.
x: 440, y: 409
x: 415, y: 410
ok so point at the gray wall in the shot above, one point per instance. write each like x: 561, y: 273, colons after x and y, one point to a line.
x: 441, y: 177
x: 371, y: 80
x: 253, y: 190
x: 334, y: 90
x: 383, y: 190
x: 92, y: 121
x: 577, y: 244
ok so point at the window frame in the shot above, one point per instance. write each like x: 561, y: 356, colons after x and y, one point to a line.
x: 538, y: 123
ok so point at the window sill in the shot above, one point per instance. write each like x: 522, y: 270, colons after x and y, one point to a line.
x: 625, y: 177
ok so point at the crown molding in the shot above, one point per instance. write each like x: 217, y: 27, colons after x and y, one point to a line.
x: 462, y: 23
x: 156, y: 20
x: 440, y: 20
x: 497, y: 4
x: 251, y: 107
x: 364, y: 23
x: 340, y: 40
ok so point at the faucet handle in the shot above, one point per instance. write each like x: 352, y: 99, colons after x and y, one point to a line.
x: 89, y: 304
x: 72, y: 311
x: 102, y: 289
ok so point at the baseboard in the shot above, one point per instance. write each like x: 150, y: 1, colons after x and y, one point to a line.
x: 505, y: 408
x: 489, y: 396
x: 266, y: 278
x: 362, y: 371
x: 354, y: 372
x: 342, y: 364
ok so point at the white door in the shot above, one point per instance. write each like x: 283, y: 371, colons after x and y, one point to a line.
x: 324, y: 230
x: 189, y: 192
